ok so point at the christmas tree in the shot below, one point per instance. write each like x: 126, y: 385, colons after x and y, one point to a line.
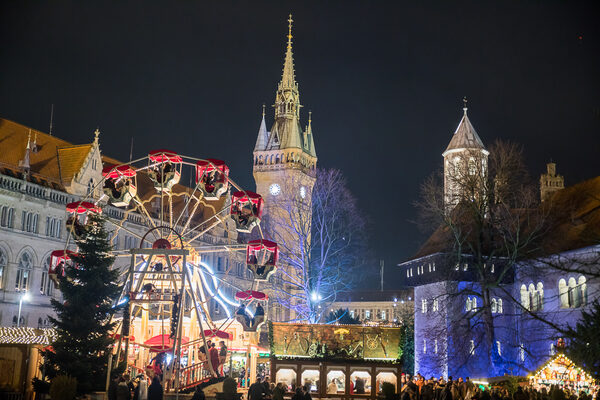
x: 84, y: 320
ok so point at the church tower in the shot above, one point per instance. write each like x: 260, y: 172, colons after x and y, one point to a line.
x: 550, y: 182
x: 286, y: 153
x: 465, y: 161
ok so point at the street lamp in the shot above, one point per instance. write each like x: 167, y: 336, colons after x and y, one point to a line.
x: 24, y: 296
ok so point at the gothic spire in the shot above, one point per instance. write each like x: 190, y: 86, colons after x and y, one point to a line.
x: 288, y: 78
x: 263, y: 135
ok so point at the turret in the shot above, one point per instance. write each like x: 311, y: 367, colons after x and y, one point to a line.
x: 550, y: 182
x: 465, y: 157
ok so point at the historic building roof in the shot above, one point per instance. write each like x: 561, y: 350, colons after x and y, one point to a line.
x: 573, y: 219
x: 465, y: 136
x: 25, y: 335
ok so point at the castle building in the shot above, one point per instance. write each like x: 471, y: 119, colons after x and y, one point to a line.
x: 525, y: 301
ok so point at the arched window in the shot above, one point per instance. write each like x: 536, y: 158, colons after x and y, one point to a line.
x: 563, y: 292
x: 573, y: 293
x: 500, y: 309
x: 24, y: 272
x: 494, y: 306
x: 533, y: 304
x: 46, y: 284
x: 468, y: 305
x: 524, y: 297
x: 3, y: 264
x: 582, y: 290
x: 90, y: 188
x: 540, y: 295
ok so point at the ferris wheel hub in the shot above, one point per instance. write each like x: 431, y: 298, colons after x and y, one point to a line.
x: 161, y: 244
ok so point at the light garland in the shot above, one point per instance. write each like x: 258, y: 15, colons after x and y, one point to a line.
x: 27, y: 335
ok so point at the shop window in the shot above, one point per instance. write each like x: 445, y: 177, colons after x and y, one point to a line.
x: 388, y: 377
x: 336, y: 382
x: 360, y: 382
x: 310, y: 378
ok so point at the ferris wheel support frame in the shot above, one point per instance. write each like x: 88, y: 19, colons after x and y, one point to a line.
x: 138, y: 281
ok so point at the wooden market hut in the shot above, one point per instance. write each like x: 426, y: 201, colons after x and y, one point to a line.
x: 560, y: 370
x: 336, y: 361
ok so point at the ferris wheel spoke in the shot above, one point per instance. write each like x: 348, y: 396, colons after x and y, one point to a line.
x: 203, y: 231
x: 187, y: 203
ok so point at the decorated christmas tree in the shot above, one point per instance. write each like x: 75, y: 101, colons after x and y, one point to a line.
x: 84, y: 317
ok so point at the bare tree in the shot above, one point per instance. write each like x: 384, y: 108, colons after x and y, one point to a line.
x: 487, y: 220
x: 322, y: 243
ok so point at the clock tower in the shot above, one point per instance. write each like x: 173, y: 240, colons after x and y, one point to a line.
x: 284, y: 157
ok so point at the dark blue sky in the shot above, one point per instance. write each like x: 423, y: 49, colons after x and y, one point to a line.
x: 384, y: 81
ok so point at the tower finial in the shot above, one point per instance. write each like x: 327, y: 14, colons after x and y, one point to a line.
x: 465, y: 104
x: 289, y: 43
x: 263, y: 110
x: 96, y: 135
x: 309, y: 117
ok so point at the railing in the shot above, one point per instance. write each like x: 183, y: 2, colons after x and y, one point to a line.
x: 35, y: 190
x: 192, y: 375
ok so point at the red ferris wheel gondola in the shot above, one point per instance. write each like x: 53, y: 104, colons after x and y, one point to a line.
x: 59, y: 260
x: 246, y: 210
x: 212, y: 178
x: 164, y: 169
x: 261, y: 258
x: 120, y: 184
x: 77, y: 215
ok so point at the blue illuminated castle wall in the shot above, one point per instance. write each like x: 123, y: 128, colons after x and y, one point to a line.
x: 449, y: 343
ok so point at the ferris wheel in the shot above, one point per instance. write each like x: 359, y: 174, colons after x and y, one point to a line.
x: 170, y: 222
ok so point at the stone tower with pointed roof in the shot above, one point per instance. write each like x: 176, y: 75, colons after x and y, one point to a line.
x: 465, y: 154
x: 286, y: 153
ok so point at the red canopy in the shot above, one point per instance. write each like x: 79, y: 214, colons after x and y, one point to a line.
x: 209, y: 333
x: 262, y: 243
x: 81, y: 207
x: 211, y: 164
x: 161, y: 343
x: 62, y: 255
x: 251, y: 294
x: 163, y: 155
x: 115, y: 172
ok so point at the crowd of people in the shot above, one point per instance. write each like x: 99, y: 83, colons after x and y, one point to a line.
x: 143, y: 387
x: 419, y: 388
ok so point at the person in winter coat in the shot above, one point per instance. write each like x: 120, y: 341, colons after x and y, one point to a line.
x: 199, y: 394
x: 155, y: 390
x: 256, y: 391
x: 427, y: 390
x: 214, y: 358
x: 123, y: 392
x: 278, y: 392
x: 141, y: 390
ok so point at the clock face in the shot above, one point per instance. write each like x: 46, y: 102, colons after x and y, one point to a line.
x: 302, y: 191
x: 275, y: 189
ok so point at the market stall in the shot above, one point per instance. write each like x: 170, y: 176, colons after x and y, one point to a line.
x: 335, y: 361
x: 560, y: 370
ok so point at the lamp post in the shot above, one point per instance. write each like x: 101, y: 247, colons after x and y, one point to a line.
x: 24, y: 296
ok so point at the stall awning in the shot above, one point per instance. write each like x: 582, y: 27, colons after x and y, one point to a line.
x: 162, y: 343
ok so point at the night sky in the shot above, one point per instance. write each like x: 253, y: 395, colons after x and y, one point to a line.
x: 384, y: 82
